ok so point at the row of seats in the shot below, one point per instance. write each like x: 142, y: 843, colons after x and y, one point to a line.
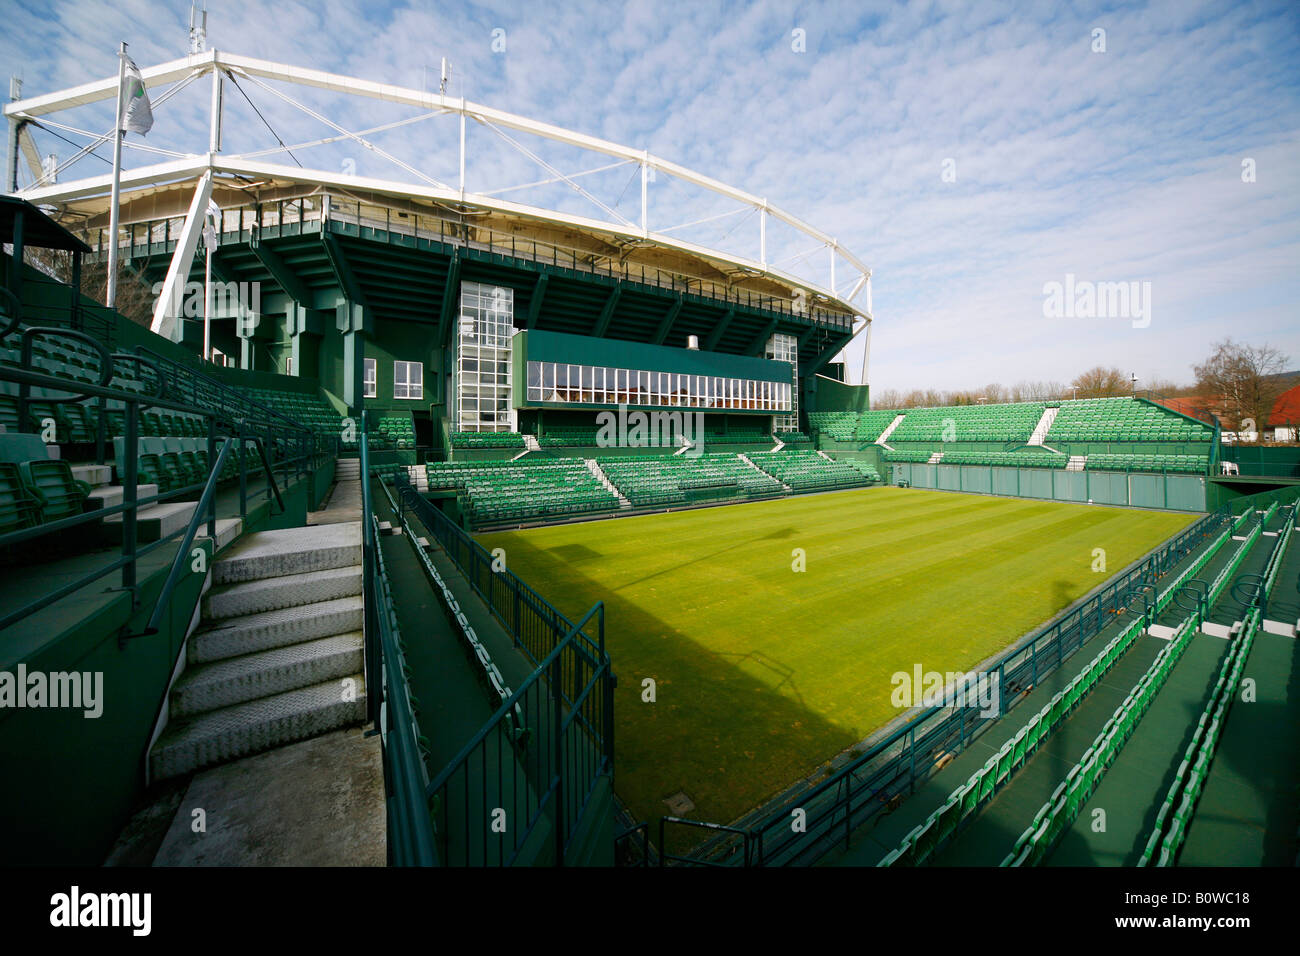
x: 919, y: 845
x: 908, y: 454
x: 487, y: 440
x: 852, y: 426
x: 398, y: 431
x: 172, y: 463
x: 1123, y: 419
x: 1175, y: 813
x: 509, y: 491
x: 793, y: 438
x: 1022, y: 458
x: 1062, y: 808
x: 803, y: 470
x: 1192, y: 464
x: 1013, y: 422
x: 34, y: 488
x: 478, y: 651
x: 648, y: 481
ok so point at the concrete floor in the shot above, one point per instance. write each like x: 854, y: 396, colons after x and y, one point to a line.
x: 315, y: 803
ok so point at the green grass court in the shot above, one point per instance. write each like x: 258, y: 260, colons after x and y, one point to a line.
x: 764, y: 673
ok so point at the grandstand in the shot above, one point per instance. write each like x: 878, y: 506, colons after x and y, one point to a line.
x: 476, y: 456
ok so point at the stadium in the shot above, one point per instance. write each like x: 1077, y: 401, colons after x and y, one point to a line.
x: 567, y: 539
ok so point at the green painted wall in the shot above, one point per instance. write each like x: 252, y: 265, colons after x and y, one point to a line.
x: 1166, y: 492
x: 822, y: 394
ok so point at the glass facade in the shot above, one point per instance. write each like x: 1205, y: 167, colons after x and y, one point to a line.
x: 597, y: 385
x: 785, y: 348
x: 483, y: 388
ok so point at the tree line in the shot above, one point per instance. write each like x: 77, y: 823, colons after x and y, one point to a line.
x: 1235, y: 382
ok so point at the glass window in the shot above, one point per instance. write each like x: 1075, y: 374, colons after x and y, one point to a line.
x: 408, y: 380
x: 370, y: 377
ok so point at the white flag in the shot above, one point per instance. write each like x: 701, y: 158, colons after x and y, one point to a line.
x: 137, y: 115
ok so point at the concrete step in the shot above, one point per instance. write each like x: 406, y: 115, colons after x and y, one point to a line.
x: 236, y: 680
x: 228, y: 531
x: 287, y: 590
x: 110, y: 496
x: 93, y: 475
x: 156, y: 521
x: 218, y: 735
x: 290, y: 551
x: 250, y: 633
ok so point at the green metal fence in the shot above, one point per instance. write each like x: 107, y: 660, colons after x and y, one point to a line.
x: 519, y: 789
x: 893, y: 767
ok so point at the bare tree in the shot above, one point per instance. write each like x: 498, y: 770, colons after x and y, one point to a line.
x: 1244, y: 380
x: 1101, y: 382
x: 134, y: 299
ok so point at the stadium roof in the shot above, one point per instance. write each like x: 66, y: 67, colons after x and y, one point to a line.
x: 166, y: 187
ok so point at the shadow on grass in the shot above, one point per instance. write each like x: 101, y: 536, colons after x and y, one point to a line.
x: 712, y: 731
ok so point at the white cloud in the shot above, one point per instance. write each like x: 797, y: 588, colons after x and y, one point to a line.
x: 1116, y: 166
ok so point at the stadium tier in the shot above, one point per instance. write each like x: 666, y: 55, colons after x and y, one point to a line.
x: 807, y: 470
x: 1123, y: 419
x: 969, y: 423
x: 506, y: 491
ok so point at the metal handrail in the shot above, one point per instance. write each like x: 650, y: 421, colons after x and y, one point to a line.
x: 130, y: 506
x: 389, y: 704
x: 888, y: 780
x: 183, y: 552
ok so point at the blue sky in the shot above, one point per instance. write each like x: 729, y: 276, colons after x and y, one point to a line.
x: 1117, y: 166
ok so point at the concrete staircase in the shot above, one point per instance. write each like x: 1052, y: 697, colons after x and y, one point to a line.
x: 1044, y: 425
x: 603, y: 478
x: 890, y: 430
x: 347, y: 469
x: 278, y: 656
x: 1076, y: 463
x: 935, y: 457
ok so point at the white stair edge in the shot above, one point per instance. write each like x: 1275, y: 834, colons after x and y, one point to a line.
x: 1281, y: 628
x: 1161, y: 632
x: 888, y: 431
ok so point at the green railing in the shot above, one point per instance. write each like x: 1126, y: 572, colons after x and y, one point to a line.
x: 895, y: 765
x: 305, y: 452
x: 389, y: 703
x: 518, y: 791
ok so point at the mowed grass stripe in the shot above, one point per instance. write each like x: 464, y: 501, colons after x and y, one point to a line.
x: 763, y: 673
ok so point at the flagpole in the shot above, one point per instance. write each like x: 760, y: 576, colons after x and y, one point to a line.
x: 111, y: 299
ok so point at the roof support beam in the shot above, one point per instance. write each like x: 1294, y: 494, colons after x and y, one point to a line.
x: 450, y: 296
x: 342, y: 271
x: 667, y: 324
x: 167, y: 313
x: 719, y: 328
x: 825, y: 356
x: 607, y: 313
x: 535, y: 300
x: 756, y: 346
x: 282, y: 274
